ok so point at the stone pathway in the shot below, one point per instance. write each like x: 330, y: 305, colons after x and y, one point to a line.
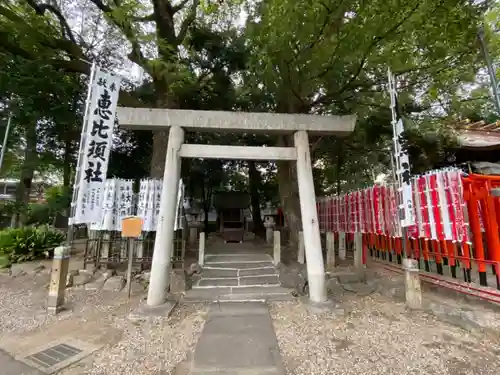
x: 237, y: 339
x: 10, y: 366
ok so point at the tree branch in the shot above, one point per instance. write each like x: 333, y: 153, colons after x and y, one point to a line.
x: 40, y: 9
x: 103, y: 7
x: 148, y: 18
x: 191, y: 16
x: 128, y: 30
x: 366, y: 54
x: 69, y: 66
x: 322, y: 30
x: 315, y: 145
x: 180, y: 6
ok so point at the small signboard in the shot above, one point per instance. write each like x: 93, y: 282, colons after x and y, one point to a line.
x: 132, y: 227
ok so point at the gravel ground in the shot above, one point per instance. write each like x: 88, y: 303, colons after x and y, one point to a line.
x: 376, y: 335
x: 144, y: 347
x: 23, y: 300
x: 147, y: 347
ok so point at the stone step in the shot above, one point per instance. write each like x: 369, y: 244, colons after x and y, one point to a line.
x: 261, y: 280
x: 237, y: 265
x: 272, y: 293
x: 225, y: 272
x: 237, y: 258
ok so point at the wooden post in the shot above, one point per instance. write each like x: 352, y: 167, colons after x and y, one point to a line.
x: 131, y: 228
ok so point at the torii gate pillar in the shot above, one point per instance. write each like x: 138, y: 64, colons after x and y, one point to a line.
x: 310, y: 225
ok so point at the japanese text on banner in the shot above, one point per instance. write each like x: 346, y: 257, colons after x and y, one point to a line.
x: 98, y: 141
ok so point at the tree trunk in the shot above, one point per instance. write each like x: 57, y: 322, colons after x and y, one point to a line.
x: 289, y: 195
x: 160, y: 144
x: 27, y: 172
x: 205, y: 202
x: 68, y: 151
x: 339, y: 166
x: 160, y: 138
x: 255, y: 182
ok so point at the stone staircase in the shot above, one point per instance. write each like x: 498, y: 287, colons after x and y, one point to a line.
x: 243, y: 274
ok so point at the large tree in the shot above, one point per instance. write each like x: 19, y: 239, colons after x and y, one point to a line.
x: 327, y: 57
x: 332, y: 57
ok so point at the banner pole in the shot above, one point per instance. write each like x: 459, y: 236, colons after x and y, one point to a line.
x: 396, y: 117
x: 5, y: 138
x: 76, y: 182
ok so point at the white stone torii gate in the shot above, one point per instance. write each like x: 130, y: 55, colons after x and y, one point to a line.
x: 298, y: 124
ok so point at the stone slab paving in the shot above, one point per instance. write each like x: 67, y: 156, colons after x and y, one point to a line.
x: 10, y: 366
x: 260, y: 280
x: 221, y: 282
x: 239, y: 294
x: 237, y: 339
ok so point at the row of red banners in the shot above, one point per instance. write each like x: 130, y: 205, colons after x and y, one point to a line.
x: 438, y: 204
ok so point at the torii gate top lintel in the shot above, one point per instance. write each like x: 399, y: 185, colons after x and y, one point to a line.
x: 160, y: 119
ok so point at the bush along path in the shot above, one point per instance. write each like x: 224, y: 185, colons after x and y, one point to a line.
x: 28, y: 243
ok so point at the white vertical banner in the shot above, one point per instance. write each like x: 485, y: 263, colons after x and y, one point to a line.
x: 124, y: 201
x: 179, y: 224
x: 142, y: 205
x: 107, y: 220
x: 149, y: 203
x: 146, y: 204
x: 403, y: 175
x: 96, y: 150
x: 158, y: 185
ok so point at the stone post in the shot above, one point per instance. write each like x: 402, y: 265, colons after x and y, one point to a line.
x: 221, y: 223
x: 301, y: 253
x: 201, y: 249
x: 358, y: 252
x: 330, y: 249
x: 269, y: 225
x: 413, y: 290
x: 123, y: 253
x: 57, y: 286
x: 193, y: 235
x: 342, y: 249
x: 310, y: 224
x: 140, y: 247
x: 105, y: 246
x: 277, y: 247
x: 164, y: 242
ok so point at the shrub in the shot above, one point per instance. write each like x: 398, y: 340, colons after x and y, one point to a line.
x: 29, y: 243
x: 39, y: 214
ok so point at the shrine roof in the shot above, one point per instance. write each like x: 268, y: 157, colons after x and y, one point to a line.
x: 158, y: 119
x: 478, y: 135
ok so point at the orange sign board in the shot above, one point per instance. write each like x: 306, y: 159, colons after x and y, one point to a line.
x: 132, y: 226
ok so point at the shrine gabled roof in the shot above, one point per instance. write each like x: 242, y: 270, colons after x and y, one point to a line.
x: 478, y: 135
